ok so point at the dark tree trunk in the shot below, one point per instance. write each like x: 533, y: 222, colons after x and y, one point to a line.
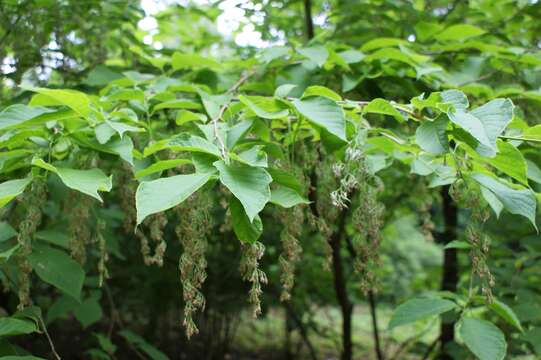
x: 375, y: 330
x: 309, y: 24
x: 340, y: 287
x: 450, y: 263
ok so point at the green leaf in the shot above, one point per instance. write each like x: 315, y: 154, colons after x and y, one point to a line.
x: 266, y: 108
x: 138, y: 341
x: 246, y: 231
x: 177, y: 104
x: 76, y: 100
x: 457, y: 244
x: 323, y: 112
x: 483, y: 339
x: 533, y: 133
x: 255, y: 156
x: 286, y: 179
x: 24, y: 357
x: 492, y: 201
x: 57, y: 268
x: 161, y: 166
x: 317, y: 54
x: 510, y: 161
x: 485, y: 123
x: 459, y: 32
x: 11, y: 189
x: 506, y: 313
x: 88, y: 312
x: 316, y: 90
x: 519, y: 202
x: 6, y: 254
x: 184, y: 142
x: 431, y: 136
x: 6, y: 231
x: 162, y: 194
x: 287, y: 197
x: 382, y: 106
x: 86, y: 181
x: 181, y: 61
x: 418, y: 309
x: 534, y: 172
x: 185, y: 116
x: 12, y: 327
x: 249, y: 184
x: 17, y: 114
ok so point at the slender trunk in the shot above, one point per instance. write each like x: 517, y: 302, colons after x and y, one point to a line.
x: 309, y: 24
x: 375, y: 330
x: 450, y: 264
x: 340, y: 288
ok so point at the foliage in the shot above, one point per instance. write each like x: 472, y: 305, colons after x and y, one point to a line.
x: 305, y: 164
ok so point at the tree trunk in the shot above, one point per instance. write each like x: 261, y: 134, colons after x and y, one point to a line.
x: 309, y: 24
x: 375, y: 330
x: 450, y: 264
x: 340, y: 288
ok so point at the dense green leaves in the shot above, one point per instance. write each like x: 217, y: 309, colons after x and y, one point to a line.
x: 17, y: 114
x: 12, y: 326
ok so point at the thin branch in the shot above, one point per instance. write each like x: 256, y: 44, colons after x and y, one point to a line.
x: 51, y: 344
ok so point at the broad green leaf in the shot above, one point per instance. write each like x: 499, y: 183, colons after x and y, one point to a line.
x: 76, y: 100
x: 6, y: 231
x: 382, y: 106
x: 18, y: 114
x: 472, y: 125
x: 459, y: 32
x: 138, y: 341
x: 266, y: 108
x: 418, y: 309
x: 161, y: 166
x: 274, y: 52
x: 10, y: 327
x: 246, y: 231
x: 214, y: 103
x: 21, y: 357
x: 317, y: 54
x: 483, y: 339
x: 457, y: 244
x: 286, y: 197
x: 11, y: 189
x: 533, y: 133
x: 127, y: 95
x: 519, y: 202
x: 506, y: 313
x: 431, y: 136
x: 379, y: 43
x: 492, y: 201
x: 495, y: 116
x: 510, y: 161
x: 86, y: 181
x: 351, y: 56
x: 184, y: 142
x: 237, y: 131
x: 5, y: 255
x: 286, y: 179
x: 185, y: 116
x: 317, y: 90
x: 255, y: 156
x: 181, y: 61
x: 177, y: 104
x: 88, y: 312
x: 57, y: 268
x: 249, y: 184
x: 454, y: 97
x: 534, y: 172
x: 162, y: 194
x: 284, y: 90
x: 323, y: 112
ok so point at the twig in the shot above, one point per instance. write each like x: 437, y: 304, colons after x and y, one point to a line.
x: 232, y: 89
x: 55, y: 354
